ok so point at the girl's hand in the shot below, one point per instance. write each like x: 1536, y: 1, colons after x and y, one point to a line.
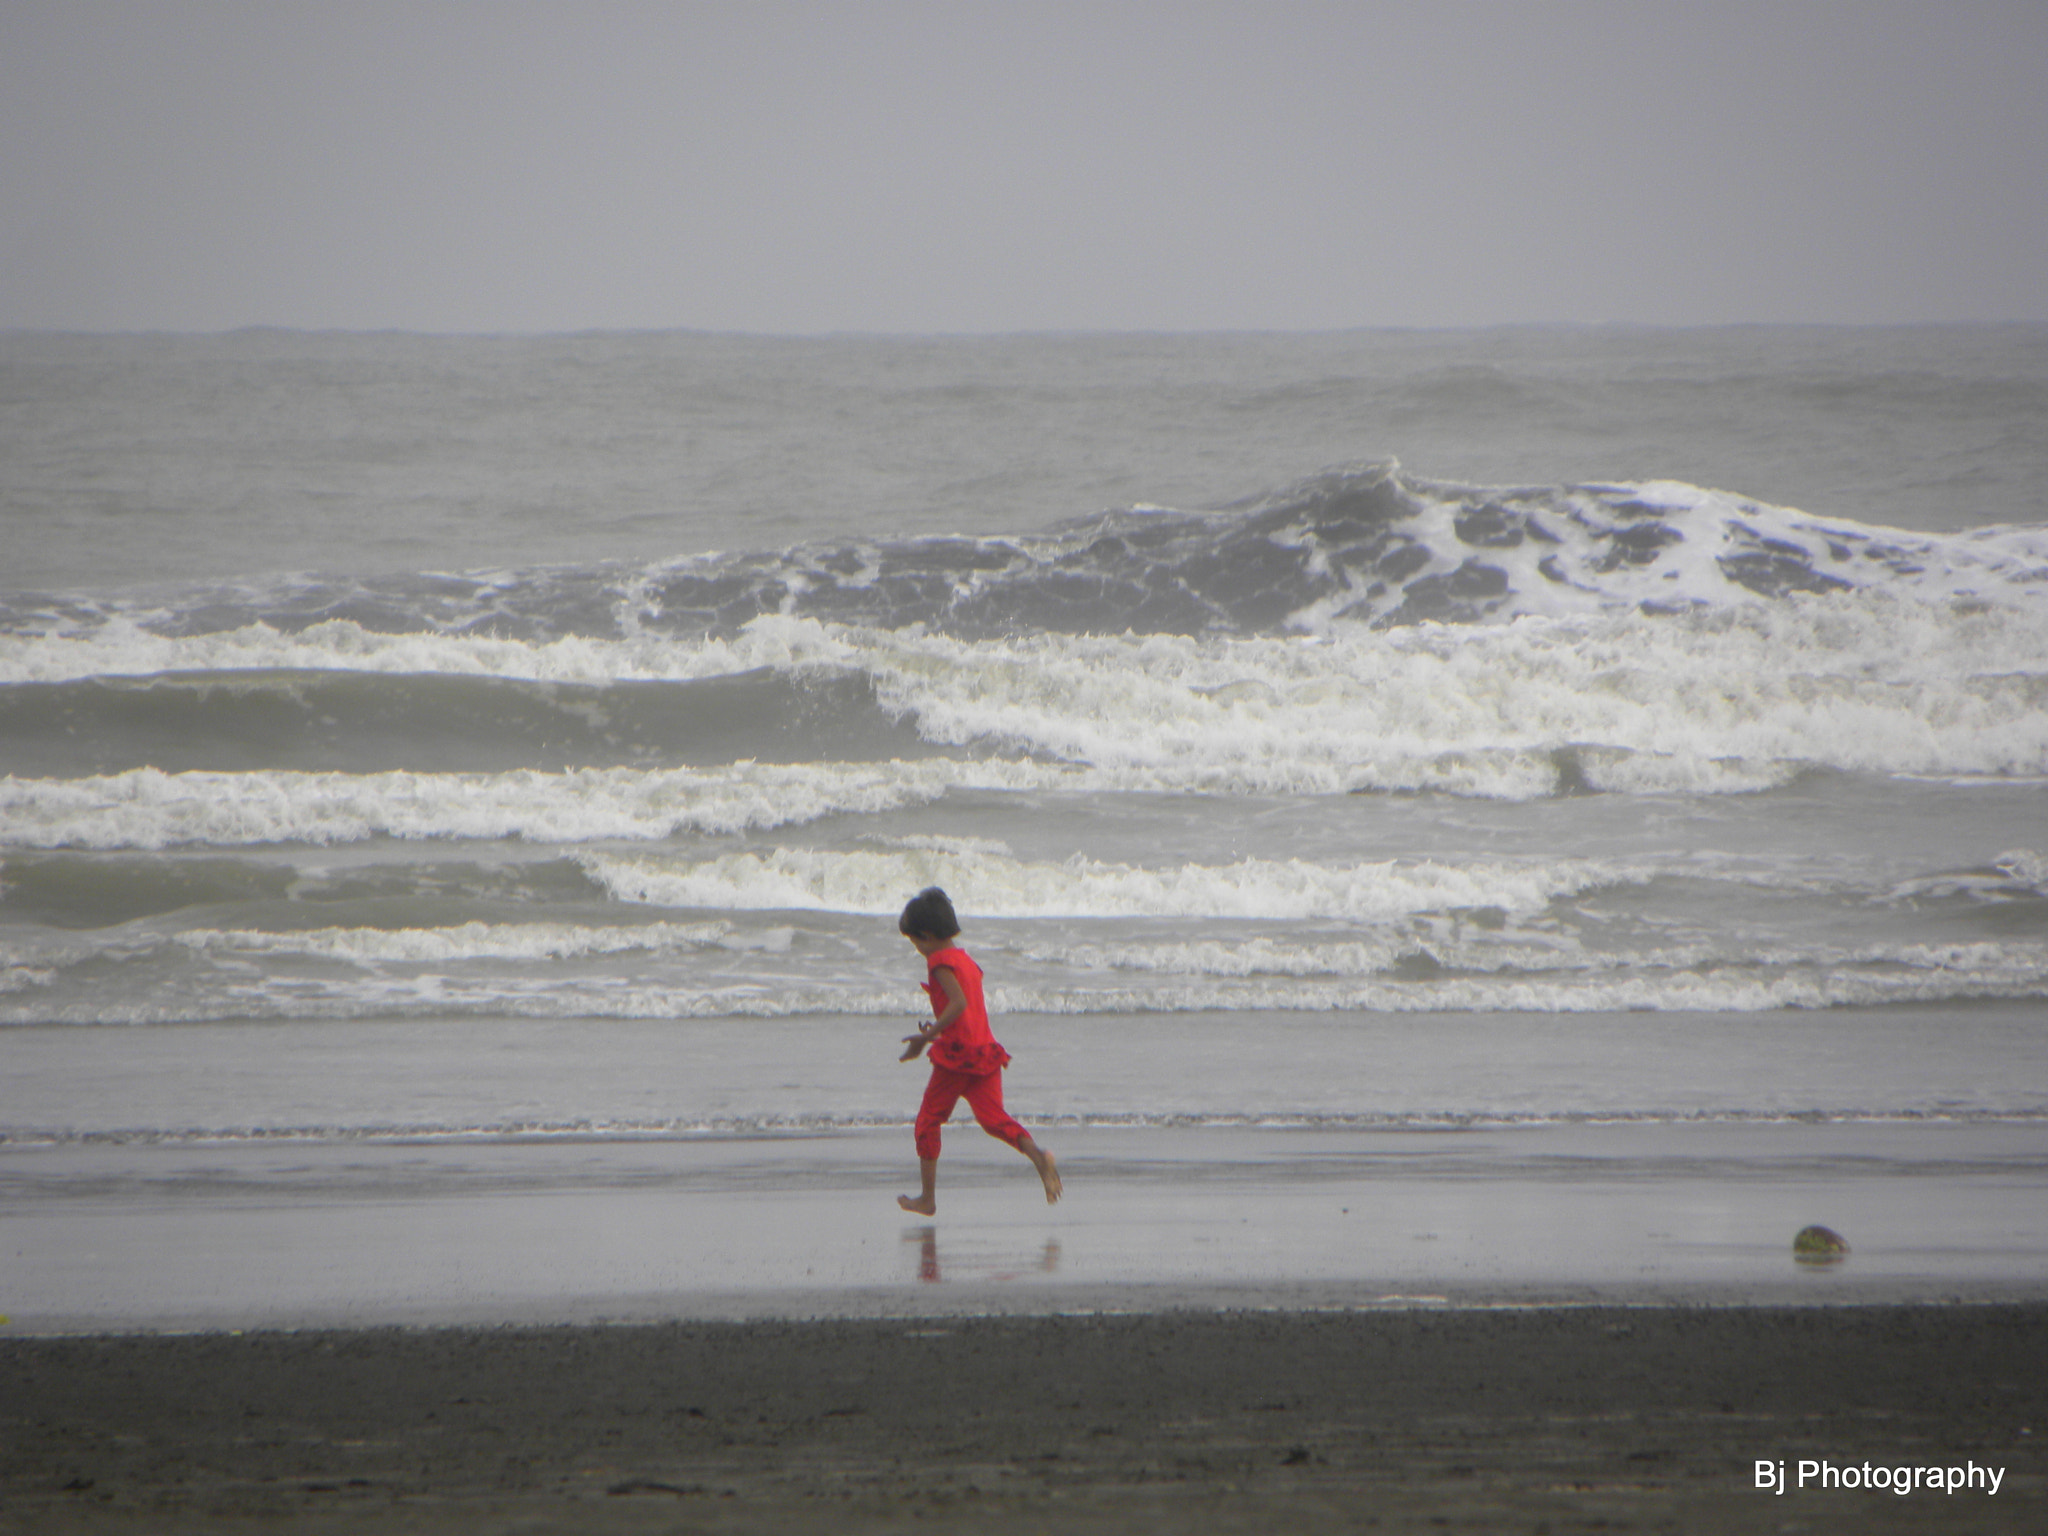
x: 913, y: 1046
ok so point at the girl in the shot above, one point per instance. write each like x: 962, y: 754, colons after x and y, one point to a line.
x: 966, y: 1061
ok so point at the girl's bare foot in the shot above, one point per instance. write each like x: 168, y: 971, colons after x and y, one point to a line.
x: 925, y: 1205
x: 1049, y: 1176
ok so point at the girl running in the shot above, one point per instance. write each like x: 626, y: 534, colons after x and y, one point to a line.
x: 966, y: 1060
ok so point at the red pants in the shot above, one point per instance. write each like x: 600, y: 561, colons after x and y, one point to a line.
x: 984, y: 1095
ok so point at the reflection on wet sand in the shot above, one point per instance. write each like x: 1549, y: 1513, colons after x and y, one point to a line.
x: 1046, y: 1262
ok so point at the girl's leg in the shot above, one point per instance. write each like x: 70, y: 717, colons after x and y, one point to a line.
x: 985, y: 1097
x: 1048, y: 1170
x: 941, y: 1093
x: 927, y: 1201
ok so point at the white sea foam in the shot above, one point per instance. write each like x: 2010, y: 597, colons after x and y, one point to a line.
x: 1731, y: 698
x: 1615, y: 993
x: 124, y: 648
x: 1001, y: 886
x: 1728, y: 701
x: 2017, y: 874
x: 1418, y: 949
x: 482, y: 941
x: 148, y: 809
x: 372, y: 991
x: 1716, y: 531
x: 1548, y: 957
x: 1739, y: 698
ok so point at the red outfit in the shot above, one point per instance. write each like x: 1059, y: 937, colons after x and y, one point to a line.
x: 966, y: 1060
x: 966, y: 1045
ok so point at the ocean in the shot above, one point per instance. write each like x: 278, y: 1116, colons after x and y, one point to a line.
x: 438, y: 740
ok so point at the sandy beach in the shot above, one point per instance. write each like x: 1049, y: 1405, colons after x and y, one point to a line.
x: 1256, y: 1329
x: 1542, y: 1419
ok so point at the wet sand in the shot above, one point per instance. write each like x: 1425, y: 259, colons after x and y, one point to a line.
x: 291, y: 1234
x: 1546, y: 1419
x: 1258, y: 1330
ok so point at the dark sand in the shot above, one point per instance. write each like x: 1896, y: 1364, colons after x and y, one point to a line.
x: 1556, y: 1419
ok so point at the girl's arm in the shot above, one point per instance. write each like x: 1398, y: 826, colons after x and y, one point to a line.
x: 956, y: 1004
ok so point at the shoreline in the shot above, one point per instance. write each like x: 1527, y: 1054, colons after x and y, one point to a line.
x: 192, y: 1237
x: 1417, y: 1418
x: 1009, y: 1303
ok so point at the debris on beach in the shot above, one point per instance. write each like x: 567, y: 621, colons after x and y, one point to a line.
x: 1819, y: 1245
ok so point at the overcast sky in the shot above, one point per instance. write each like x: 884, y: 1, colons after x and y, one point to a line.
x: 999, y: 165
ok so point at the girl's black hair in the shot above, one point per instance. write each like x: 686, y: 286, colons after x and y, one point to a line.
x: 929, y: 914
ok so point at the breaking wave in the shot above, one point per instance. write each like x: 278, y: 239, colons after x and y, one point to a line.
x: 794, y: 719
x: 1365, y: 545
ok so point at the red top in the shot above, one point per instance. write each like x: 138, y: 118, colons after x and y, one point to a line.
x: 965, y: 1045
